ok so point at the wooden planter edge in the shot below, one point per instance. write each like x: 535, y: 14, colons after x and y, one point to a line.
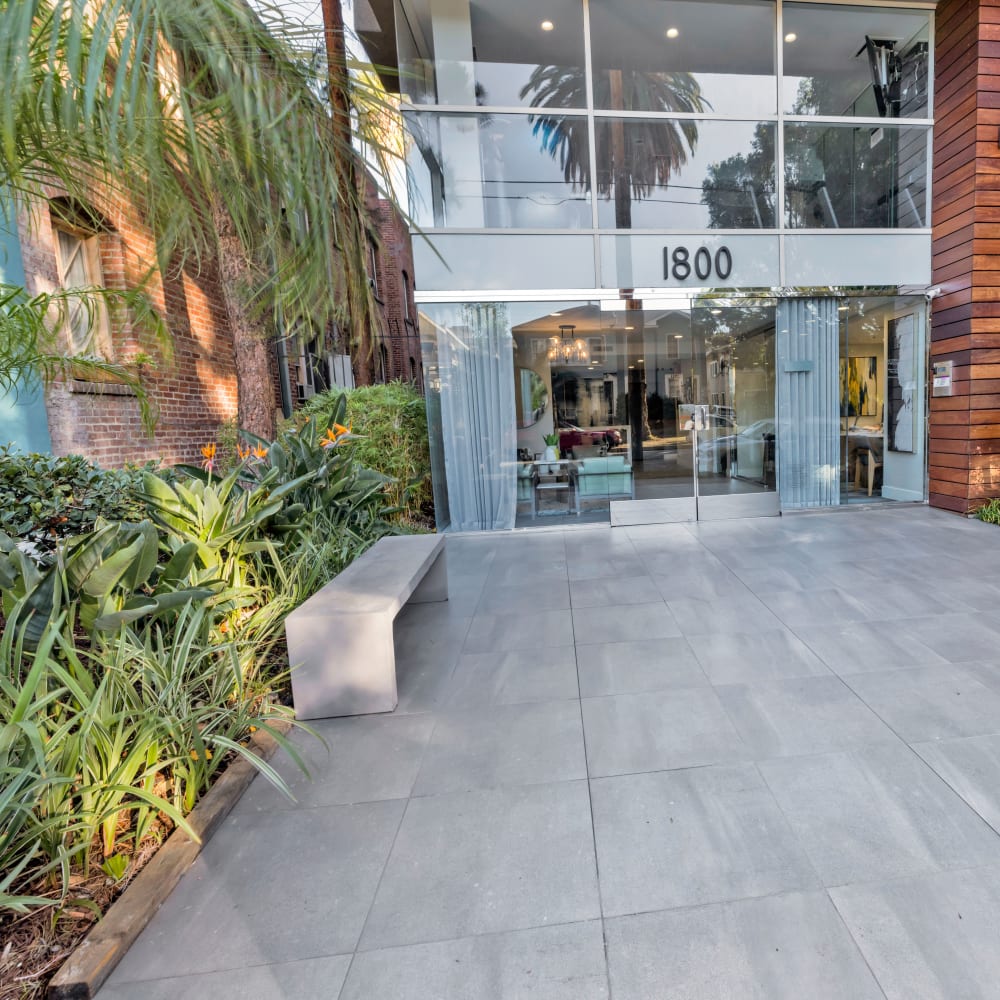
x: 94, y: 959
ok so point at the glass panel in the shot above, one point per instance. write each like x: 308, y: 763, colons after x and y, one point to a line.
x: 491, y: 54
x: 882, y: 351
x: 499, y: 171
x: 860, y: 177
x: 855, y: 61
x: 685, y: 174
x: 692, y: 56
x: 737, y: 449
x: 572, y: 435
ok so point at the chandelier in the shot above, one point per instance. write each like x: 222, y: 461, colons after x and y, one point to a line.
x: 567, y: 348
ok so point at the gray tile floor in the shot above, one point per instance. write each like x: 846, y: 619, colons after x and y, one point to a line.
x: 754, y: 759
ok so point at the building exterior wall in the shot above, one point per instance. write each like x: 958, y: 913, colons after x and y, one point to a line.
x: 394, y: 259
x: 965, y: 427
x: 193, y: 388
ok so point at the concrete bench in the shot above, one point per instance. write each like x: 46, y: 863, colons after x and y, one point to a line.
x: 340, y: 641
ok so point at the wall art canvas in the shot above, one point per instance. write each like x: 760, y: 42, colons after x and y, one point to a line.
x: 859, y: 387
x: 900, y: 425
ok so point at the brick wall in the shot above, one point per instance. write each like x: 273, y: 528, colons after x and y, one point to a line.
x: 194, y: 390
x: 400, y: 335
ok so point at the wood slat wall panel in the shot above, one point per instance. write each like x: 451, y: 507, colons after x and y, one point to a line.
x: 965, y: 161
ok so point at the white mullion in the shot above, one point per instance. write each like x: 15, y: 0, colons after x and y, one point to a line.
x: 588, y: 72
x: 779, y: 139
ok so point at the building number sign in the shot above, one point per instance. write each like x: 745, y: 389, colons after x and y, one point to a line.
x: 680, y: 264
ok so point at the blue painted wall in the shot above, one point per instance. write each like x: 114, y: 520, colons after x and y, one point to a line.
x: 22, y: 414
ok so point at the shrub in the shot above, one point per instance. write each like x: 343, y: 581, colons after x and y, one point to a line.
x: 990, y: 511
x: 44, y: 498
x: 390, y: 424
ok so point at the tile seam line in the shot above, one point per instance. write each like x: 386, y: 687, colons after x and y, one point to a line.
x: 590, y: 801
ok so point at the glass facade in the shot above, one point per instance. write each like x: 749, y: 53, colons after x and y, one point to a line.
x: 668, y: 246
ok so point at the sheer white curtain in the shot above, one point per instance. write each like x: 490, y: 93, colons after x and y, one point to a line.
x: 475, y: 354
x: 808, y: 355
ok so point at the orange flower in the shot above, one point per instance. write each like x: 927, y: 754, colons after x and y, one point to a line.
x: 259, y: 451
x: 194, y: 755
x: 334, y: 434
x: 208, y: 451
x: 243, y: 451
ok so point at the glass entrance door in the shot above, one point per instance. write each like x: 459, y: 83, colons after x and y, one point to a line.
x: 700, y: 403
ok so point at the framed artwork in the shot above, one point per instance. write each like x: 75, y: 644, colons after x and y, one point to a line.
x: 859, y: 387
x: 900, y: 426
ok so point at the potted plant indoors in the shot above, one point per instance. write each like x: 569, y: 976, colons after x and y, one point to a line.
x: 551, y: 447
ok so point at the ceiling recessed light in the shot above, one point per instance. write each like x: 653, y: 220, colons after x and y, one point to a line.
x: 842, y: 309
x: 555, y: 314
x: 640, y: 360
x: 715, y: 312
x: 672, y: 32
x: 631, y: 366
x: 629, y: 327
x: 678, y: 336
x: 547, y: 25
x: 791, y: 36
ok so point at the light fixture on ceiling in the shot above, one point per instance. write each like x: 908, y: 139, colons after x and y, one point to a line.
x: 672, y: 32
x: 629, y: 327
x: 842, y: 309
x: 640, y: 361
x: 567, y: 348
x: 547, y: 25
x: 678, y: 336
x: 715, y: 312
x: 790, y: 37
x: 555, y: 314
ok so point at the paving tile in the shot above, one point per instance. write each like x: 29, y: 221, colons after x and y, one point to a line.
x: 736, y: 659
x: 971, y: 766
x: 930, y: 703
x: 512, y: 573
x: 931, y: 937
x: 644, y: 665
x: 362, y: 759
x: 526, y: 595
x: 653, y: 731
x: 232, y: 908
x: 624, y: 623
x: 589, y: 567
x: 487, y: 861
x: 815, y: 607
x: 529, y: 630
x: 803, y: 715
x: 877, y: 813
x: 310, y: 979
x: 699, y: 835
x: 705, y: 582
x: 867, y: 646
x: 615, y: 591
x: 515, y: 677
x: 787, y: 947
x: 544, y: 963
x: 735, y: 614
x: 503, y: 745
x: 958, y: 637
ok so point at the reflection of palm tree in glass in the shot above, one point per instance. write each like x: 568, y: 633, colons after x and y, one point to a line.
x: 633, y: 158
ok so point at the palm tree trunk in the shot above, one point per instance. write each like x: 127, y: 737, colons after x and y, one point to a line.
x: 256, y: 403
x: 619, y: 168
x: 355, y: 248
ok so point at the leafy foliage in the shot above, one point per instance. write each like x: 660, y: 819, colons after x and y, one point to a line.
x: 44, y: 498
x: 139, y: 656
x: 990, y: 511
x: 389, y: 424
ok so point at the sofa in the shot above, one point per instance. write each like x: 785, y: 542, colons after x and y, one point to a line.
x: 607, y: 476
